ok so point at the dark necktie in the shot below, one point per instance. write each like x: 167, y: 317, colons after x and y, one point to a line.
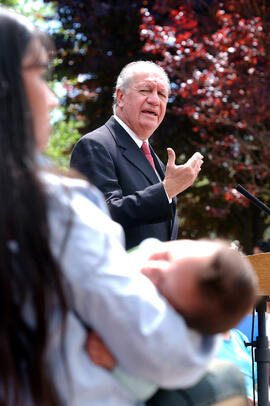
x: 146, y: 150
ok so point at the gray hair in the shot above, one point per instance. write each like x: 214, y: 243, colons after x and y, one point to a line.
x: 125, y: 77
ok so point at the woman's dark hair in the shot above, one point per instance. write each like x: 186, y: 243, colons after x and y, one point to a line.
x: 29, y: 275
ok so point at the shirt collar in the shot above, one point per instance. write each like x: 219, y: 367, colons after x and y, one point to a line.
x: 129, y: 131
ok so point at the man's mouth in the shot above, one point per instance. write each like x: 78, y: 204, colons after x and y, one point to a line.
x: 153, y: 113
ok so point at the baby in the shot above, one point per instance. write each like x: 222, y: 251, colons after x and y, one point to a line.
x: 211, y: 285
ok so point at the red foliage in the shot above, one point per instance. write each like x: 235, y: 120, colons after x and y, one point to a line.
x: 221, y: 81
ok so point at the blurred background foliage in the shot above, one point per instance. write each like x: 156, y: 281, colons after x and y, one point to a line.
x: 65, y: 126
x: 217, y: 56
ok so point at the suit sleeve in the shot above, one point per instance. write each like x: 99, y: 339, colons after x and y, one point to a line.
x: 146, y: 206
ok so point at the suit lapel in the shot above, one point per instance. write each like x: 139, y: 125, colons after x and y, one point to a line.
x: 158, y: 164
x: 131, y: 151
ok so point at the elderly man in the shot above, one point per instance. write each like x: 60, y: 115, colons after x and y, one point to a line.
x: 118, y: 159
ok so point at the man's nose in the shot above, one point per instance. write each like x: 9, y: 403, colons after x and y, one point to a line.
x: 153, y: 98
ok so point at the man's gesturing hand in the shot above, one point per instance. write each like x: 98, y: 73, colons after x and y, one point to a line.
x: 179, y: 177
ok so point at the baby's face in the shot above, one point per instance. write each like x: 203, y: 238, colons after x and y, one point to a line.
x: 177, y: 271
x: 179, y: 285
x: 176, y: 277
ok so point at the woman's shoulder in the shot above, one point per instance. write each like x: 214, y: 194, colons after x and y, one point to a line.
x: 69, y: 197
x: 63, y: 188
x: 54, y: 180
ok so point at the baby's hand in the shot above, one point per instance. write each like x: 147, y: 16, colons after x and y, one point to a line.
x: 98, y: 352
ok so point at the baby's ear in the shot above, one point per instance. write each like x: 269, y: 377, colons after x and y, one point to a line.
x: 161, y: 256
x: 154, y: 270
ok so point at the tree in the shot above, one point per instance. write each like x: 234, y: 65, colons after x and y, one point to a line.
x: 212, y: 86
x: 35, y: 10
x: 218, y: 58
x: 96, y: 40
x: 65, y: 129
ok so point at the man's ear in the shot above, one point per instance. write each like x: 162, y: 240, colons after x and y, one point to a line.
x: 119, y: 97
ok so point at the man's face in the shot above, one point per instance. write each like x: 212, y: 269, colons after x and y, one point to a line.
x: 143, y: 107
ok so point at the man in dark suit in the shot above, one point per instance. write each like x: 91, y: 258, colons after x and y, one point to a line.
x: 140, y: 193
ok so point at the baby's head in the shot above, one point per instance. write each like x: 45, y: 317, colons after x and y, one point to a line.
x: 211, y: 285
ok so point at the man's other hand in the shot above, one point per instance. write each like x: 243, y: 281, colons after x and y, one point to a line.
x: 179, y: 177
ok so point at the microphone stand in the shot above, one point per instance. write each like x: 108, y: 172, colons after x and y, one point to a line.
x: 262, y: 352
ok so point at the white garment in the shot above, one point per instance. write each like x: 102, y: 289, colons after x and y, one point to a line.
x: 147, y: 337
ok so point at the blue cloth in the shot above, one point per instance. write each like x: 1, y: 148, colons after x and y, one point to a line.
x: 234, y: 350
x: 245, y: 326
x: 147, y: 337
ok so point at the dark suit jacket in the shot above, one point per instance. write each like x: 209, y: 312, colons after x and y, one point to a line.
x: 112, y: 161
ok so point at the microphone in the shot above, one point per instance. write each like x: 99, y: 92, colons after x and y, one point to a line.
x: 253, y: 199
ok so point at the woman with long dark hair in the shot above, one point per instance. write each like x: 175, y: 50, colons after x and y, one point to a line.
x: 63, y: 268
x: 29, y: 275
